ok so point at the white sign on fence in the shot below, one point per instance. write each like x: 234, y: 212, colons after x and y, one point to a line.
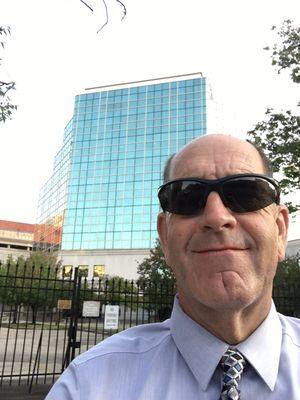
x: 111, y: 319
x: 91, y: 309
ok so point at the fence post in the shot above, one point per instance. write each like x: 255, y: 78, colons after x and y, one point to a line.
x: 38, y: 353
x: 72, y: 331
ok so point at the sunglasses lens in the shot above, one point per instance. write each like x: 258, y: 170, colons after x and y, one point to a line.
x: 240, y: 194
x: 182, y: 197
x: 248, y: 194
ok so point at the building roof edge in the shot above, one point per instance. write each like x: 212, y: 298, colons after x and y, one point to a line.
x: 141, y: 82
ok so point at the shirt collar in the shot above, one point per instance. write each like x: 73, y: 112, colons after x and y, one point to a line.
x: 202, y: 351
x: 262, y: 349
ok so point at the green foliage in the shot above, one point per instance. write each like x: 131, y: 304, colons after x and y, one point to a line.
x: 288, y: 271
x: 279, y: 136
x: 6, y: 107
x: 154, y: 270
x: 29, y: 282
x: 4, y: 31
x: 117, y: 291
x: 158, y: 282
x: 287, y: 286
x: 286, y: 55
x: 43, y: 259
x: 279, y: 133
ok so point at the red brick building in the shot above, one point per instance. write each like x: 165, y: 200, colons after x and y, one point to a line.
x: 16, y: 239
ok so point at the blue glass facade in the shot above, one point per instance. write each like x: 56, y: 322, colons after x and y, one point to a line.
x: 121, y: 138
x: 53, y: 198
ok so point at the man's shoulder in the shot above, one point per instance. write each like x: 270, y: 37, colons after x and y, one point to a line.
x: 291, y: 328
x: 137, y: 340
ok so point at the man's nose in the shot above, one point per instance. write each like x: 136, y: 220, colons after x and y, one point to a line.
x: 216, y: 215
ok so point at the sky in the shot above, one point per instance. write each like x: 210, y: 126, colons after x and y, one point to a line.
x: 54, y: 52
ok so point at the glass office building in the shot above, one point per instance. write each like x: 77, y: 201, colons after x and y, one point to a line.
x: 53, y: 198
x: 103, y: 192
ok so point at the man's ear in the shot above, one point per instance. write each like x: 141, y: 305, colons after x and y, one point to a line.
x: 282, y: 222
x: 162, y: 232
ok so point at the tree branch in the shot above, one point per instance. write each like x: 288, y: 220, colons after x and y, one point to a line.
x: 124, y: 9
x: 106, y: 11
x: 106, y: 21
x: 87, y: 5
x: 5, y: 87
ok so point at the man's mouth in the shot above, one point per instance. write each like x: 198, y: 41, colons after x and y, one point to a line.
x: 219, y: 249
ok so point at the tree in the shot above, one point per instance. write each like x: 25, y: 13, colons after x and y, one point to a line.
x: 157, y: 281
x: 288, y: 271
x: 116, y: 290
x: 287, y: 53
x: 279, y: 134
x: 29, y: 283
x: 287, y: 285
x: 91, y: 8
x: 153, y: 269
x: 6, y: 107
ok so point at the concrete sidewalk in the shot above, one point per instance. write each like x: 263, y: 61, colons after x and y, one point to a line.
x: 21, y: 392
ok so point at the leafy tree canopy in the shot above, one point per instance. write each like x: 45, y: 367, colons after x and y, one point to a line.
x: 154, y: 270
x: 27, y: 282
x: 288, y: 271
x: 43, y: 259
x: 6, y: 107
x: 279, y: 133
x: 286, y: 54
x: 118, y: 290
x: 158, y: 283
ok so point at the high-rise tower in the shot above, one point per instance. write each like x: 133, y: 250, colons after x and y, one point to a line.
x: 100, y: 205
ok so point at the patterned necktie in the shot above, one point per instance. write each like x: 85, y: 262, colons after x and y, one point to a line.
x: 232, y: 364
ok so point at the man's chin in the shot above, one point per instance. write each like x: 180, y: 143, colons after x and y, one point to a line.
x: 228, y: 297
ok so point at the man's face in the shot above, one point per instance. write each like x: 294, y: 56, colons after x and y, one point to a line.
x: 222, y: 259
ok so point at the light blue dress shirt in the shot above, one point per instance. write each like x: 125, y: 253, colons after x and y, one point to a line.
x: 178, y: 360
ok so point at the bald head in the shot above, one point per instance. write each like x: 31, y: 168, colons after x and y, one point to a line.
x: 218, y: 150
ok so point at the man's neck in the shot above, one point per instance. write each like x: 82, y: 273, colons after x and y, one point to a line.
x: 232, y: 326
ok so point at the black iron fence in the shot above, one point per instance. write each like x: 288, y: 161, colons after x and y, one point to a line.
x: 287, y: 298
x: 47, y: 319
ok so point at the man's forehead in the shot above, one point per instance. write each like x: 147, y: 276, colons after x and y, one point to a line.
x: 216, y: 156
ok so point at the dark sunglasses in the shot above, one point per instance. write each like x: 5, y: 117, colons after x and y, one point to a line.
x: 241, y: 193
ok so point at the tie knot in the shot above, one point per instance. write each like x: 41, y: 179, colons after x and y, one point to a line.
x: 232, y: 364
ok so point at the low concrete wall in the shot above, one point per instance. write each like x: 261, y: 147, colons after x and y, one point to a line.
x: 117, y: 262
x: 293, y: 248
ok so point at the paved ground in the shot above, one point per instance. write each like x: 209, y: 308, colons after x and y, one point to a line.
x: 19, y: 349
x: 22, y: 392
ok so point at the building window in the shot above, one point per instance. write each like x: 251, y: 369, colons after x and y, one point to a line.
x: 99, y: 270
x: 67, y: 271
x: 83, y: 270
